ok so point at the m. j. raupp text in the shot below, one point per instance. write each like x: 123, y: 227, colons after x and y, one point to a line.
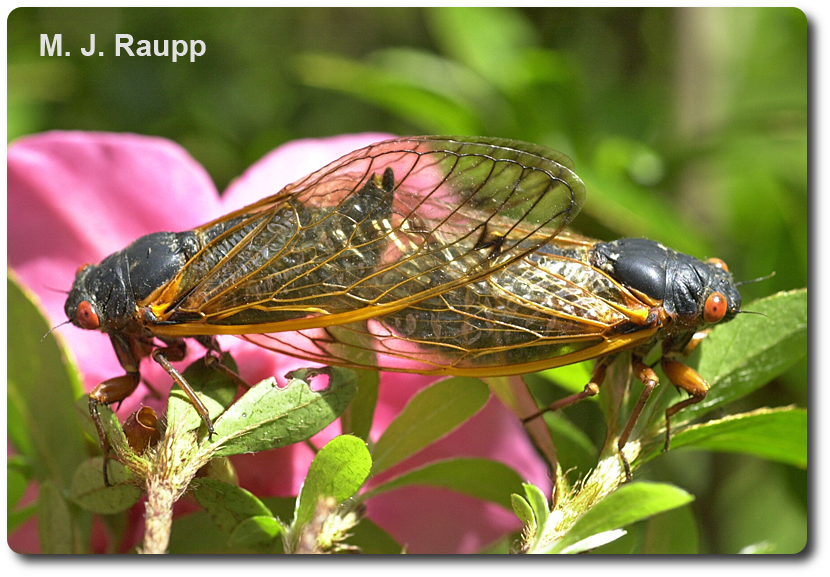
x: 125, y: 45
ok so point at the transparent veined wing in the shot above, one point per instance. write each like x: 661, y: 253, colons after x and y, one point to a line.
x: 377, y: 231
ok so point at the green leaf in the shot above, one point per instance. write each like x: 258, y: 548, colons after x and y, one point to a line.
x: 673, y: 532
x: 228, y: 505
x: 480, y: 478
x: 572, y: 378
x: 55, y: 528
x: 256, y: 532
x: 357, y: 418
x: 540, y: 509
x: 372, y: 540
x: 16, y: 480
x: 435, y: 112
x: 41, y: 391
x: 338, y: 470
x: 523, y: 511
x: 430, y: 415
x: 267, y: 417
x: 628, y: 504
x: 89, y: 492
x: 194, y: 533
x: 573, y: 447
x: 776, y: 434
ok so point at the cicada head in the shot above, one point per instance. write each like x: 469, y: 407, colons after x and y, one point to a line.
x: 98, y: 296
x: 693, y: 292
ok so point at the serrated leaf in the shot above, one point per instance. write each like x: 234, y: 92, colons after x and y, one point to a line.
x: 41, y: 391
x: 628, y: 504
x: 89, y: 492
x: 228, y: 505
x: 430, y: 415
x: 480, y: 478
x: 776, y: 434
x: 267, y: 417
x: 338, y: 470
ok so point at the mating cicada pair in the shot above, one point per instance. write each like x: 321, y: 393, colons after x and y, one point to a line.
x: 433, y: 255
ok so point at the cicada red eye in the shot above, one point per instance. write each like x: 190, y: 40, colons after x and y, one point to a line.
x: 718, y: 263
x: 715, y: 307
x: 87, y: 317
x: 81, y: 268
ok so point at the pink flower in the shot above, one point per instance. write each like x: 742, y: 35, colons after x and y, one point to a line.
x: 75, y: 197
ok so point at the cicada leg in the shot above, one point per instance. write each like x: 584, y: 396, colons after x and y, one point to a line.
x: 213, y: 360
x: 649, y: 379
x: 110, y: 391
x: 160, y: 357
x: 591, y: 389
x: 689, y: 380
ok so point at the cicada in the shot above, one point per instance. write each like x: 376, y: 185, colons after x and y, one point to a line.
x: 433, y: 255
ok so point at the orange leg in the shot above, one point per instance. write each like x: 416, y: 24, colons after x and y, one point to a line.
x: 649, y: 379
x: 110, y: 391
x: 689, y: 380
x: 591, y: 389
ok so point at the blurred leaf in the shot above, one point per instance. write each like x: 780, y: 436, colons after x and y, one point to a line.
x: 574, y: 449
x: 435, y: 113
x: 55, y: 527
x: 635, y: 211
x: 480, y: 478
x: 267, y: 417
x: 41, y: 391
x: 338, y: 470
x: 777, y: 434
x: 427, y: 417
x: 373, y: 540
x: 628, y: 504
x: 672, y: 533
x: 488, y: 40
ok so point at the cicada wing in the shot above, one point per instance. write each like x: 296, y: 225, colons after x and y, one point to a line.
x: 383, y: 227
x: 543, y: 311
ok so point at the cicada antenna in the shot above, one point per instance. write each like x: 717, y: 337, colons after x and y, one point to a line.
x: 57, y: 290
x: 49, y: 332
x: 759, y: 279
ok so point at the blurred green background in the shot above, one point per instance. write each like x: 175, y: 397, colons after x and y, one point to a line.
x: 688, y: 126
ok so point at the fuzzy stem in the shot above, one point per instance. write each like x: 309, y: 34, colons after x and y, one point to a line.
x: 159, y: 515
